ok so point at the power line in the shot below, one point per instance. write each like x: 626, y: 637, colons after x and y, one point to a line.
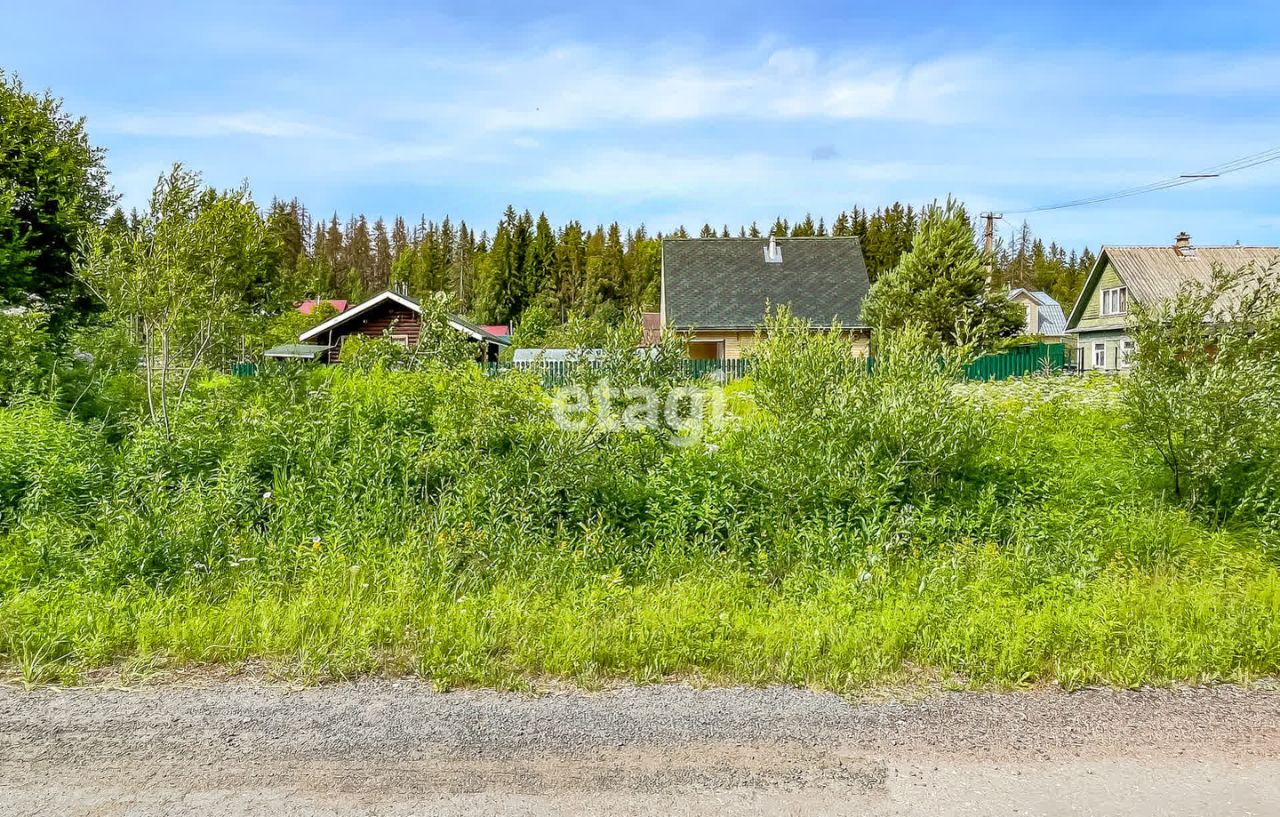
x: 1233, y: 166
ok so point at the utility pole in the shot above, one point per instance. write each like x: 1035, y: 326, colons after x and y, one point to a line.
x: 989, y: 241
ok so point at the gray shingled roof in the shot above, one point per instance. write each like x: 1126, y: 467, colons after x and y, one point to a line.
x: 720, y: 283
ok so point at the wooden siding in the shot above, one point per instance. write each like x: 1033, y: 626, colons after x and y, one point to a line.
x: 738, y: 342
x: 1092, y: 313
x: 1112, y: 342
x: 1032, y: 307
x: 389, y: 318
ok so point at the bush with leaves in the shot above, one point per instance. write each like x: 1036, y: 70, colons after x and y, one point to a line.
x: 27, y: 358
x: 841, y: 434
x: 438, y: 341
x: 1204, y: 392
x: 53, y: 190
x: 288, y: 325
x: 365, y: 354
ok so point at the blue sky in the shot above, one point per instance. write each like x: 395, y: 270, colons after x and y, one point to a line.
x: 683, y: 113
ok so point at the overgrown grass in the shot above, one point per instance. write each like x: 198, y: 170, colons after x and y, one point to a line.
x: 438, y: 523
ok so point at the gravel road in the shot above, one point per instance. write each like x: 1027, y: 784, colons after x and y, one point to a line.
x: 397, y: 749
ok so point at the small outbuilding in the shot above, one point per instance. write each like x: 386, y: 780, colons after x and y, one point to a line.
x: 1045, y: 317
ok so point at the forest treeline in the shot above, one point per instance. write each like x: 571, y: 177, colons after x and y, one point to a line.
x: 604, y: 271
x: 55, y: 194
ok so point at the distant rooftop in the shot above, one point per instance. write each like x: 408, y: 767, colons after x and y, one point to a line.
x: 721, y: 283
x: 307, y: 307
x: 1050, y: 318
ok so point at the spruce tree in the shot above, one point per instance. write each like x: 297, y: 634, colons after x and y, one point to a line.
x: 335, y: 260
x: 285, y: 225
x: 382, y: 256
x: 399, y: 238
x: 841, y: 226
x: 940, y: 284
x: 804, y: 229
x: 570, y: 269
x: 541, y: 263
x: 360, y: 258
x: 609, y: 282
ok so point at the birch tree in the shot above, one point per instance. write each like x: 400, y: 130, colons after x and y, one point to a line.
x: 180, y: 279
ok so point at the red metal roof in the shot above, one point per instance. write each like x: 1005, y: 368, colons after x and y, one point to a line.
x: 307, y: 307
x: 499, y: 329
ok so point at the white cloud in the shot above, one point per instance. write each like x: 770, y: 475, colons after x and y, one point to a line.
x: 743, y: 177
x: 570, y: 88
x: 727, y: 133
x: 202, y: 125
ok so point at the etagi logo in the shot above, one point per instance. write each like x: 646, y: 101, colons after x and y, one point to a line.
x: 682, y: 413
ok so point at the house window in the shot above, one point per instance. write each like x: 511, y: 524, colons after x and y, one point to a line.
x: 1099, y: 355
x: 1126, y: 353
x: 1115, y: 301
x: 402, y: 340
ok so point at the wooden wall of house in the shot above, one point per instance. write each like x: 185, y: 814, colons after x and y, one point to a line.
x: 734, y: 344
x: 1092, y: 313
x: 389, y: 318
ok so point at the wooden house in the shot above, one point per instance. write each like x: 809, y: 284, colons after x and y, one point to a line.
x: 388, y: 314
x: 1123, y: 276
x: 716, y: 291
x: 1044, y: 315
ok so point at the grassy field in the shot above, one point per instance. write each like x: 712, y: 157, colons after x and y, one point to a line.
x: 838, y: 530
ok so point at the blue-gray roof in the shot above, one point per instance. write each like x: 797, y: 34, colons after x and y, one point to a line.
x: 1051, y: 319
x: 296, y: 351
x: 523, y: 356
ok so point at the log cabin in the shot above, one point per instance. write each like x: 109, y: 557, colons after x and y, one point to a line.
x: 388, y: 314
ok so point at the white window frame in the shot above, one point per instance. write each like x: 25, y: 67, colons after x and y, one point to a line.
x: 1125, y: 352
x: 1099, y: 350
x: 402, y: 340
x: 1115, y: 301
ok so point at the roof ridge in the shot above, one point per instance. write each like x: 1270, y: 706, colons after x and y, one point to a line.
x: 1194, y: 246
x: 762, y: 238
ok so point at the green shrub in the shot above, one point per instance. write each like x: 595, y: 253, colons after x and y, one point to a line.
x: 27, y: 357
x: 844, y: 525
x: 49, y: 464
x: 1204, y: 393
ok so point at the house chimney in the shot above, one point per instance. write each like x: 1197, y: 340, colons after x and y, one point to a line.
x: 773, y: 253
x: 1182, y: 245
